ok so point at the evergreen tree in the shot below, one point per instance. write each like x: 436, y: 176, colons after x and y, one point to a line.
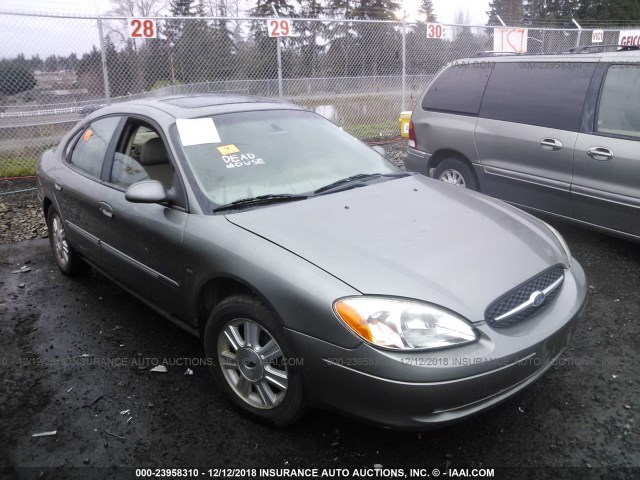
x: 551, y: 10
x: 15, y: 78
x: 426, y: 10
x: 625, y: 10
x: 511, y: 12
x: 308, y: 35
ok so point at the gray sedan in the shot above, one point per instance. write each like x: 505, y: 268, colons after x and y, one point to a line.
x: 316, y: 272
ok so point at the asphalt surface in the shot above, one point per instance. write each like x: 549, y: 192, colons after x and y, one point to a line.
x: 76, y: 354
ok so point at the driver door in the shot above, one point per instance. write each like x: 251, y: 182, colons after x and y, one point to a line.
x: 143, y: 246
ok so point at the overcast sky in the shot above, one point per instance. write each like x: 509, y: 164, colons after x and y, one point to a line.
x: 45, y: 36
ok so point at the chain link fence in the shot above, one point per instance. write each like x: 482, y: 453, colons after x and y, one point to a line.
x: 360, y: 74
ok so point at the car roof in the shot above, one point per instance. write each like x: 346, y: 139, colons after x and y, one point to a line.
x: 193, y: 106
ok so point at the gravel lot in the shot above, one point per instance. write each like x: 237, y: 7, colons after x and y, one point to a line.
x: 76, y: 357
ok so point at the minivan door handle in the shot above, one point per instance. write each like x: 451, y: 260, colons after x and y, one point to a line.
x: 550, y: 144
x: 600, y: 153
x: 106, y: 209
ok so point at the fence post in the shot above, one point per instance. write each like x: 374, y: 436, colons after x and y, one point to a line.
x: 279, y: 48
x: 579, y: 32
x: 105, y: 72
x: 404, y: 62
x: 279, y: 67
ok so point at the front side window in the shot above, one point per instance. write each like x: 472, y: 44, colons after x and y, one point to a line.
x: 545, y: 94
x: 144, y: 157
x: 619, y: 108
x: 248, y: 154
x: 90, y: 149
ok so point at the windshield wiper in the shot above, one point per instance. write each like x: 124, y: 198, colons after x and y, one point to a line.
x: 357, y: 181
x: 260, y: 200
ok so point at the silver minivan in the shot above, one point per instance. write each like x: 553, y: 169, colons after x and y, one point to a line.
x: 556, y: 134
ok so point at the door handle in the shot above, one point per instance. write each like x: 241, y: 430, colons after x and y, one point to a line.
x: 550, y: 144
x: 106, y: 209
x: 57, y: 183
x: 600, y: 153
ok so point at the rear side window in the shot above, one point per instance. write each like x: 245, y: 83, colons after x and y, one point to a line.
x: 546, y: 94
x: 459, y: 89
x: 91, y: 148
x: 619, y: 109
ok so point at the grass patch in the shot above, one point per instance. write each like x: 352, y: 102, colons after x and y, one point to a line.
x: 372, y: 130
x: 17, y: 167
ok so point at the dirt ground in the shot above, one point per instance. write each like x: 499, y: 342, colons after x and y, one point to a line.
x: 75, y: 357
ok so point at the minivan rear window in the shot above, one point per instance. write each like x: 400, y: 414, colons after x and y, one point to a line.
x: 546, y: 94
x: 459, y: 89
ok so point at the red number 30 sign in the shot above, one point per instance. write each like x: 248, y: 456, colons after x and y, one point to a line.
x: 279, y: 28
x: 142, y: 28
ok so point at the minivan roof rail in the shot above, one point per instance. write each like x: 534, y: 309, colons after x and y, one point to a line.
x: 588, y: 48
x: 488, y: 53
x: 583, y: 49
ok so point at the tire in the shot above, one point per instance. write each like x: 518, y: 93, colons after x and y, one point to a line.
x: 253, y: 372
x: 456, y: 172
x: 67, y: 259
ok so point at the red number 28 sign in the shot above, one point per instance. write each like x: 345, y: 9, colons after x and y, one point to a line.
x: 142, y: 28
x: 279, y: 28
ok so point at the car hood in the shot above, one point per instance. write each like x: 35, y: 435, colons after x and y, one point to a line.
x: 413, y: 237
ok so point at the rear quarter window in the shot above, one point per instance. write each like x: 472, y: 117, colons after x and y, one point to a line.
x: 459, y: 89
x: 546, y: 94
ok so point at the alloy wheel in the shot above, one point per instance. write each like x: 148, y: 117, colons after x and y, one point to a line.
x: 252, y: 363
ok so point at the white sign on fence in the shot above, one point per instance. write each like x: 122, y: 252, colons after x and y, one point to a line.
x: 435, y: 30
x: 142, y: 28
x: 513, y: 40
x: 629, y: 37
x: 280, y: 28
x: 597, y: 36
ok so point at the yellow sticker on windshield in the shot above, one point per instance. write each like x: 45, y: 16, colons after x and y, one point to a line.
x: 228, y: 149
x: 87, y: 135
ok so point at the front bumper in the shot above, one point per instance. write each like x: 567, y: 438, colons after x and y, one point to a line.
x: 419, y: 391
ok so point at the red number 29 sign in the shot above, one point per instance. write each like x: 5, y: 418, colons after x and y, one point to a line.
x: 279, y: 28
x: 142, y: 28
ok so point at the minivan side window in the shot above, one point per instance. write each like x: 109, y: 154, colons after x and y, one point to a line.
x: 546, y: 94
x: 619, y: 108
x: 91, y: 148
x: 459, y: 89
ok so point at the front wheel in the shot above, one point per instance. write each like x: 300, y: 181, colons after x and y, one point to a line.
x: 252, y: 361
x: 456, y: 172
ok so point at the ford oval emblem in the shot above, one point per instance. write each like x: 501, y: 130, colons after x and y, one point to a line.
x: 538, y: 298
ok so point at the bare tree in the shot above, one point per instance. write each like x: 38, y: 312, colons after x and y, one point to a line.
x: 137, y: 8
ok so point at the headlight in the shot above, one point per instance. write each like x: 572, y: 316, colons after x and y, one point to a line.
x: 562, y: 241
x: 403, y: 324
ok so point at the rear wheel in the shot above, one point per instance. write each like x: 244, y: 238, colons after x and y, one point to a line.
x: 67, y: 259
x: 456, y: 172
x: 251, y: 364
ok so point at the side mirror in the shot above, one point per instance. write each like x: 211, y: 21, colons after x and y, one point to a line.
x: 380, y: 150
x: 146, y: 191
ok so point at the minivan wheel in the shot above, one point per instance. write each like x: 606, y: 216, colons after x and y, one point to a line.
x: 456, y: 172
x: 251, y: 361
x: 67, y: 259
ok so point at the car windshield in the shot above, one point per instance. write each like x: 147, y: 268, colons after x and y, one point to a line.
x: 272, y: 152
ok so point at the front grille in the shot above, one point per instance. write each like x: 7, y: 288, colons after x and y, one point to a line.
x: 520, y: 295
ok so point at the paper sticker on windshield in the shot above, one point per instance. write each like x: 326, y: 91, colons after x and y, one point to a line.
x: 242, y: 160
x: 228, y: 149
x: 197, y: 131
x: 87, y: 135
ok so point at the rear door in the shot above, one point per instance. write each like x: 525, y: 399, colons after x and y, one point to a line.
x: 529, y: 122
x: 606, y: 181
x: 78, y: 185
